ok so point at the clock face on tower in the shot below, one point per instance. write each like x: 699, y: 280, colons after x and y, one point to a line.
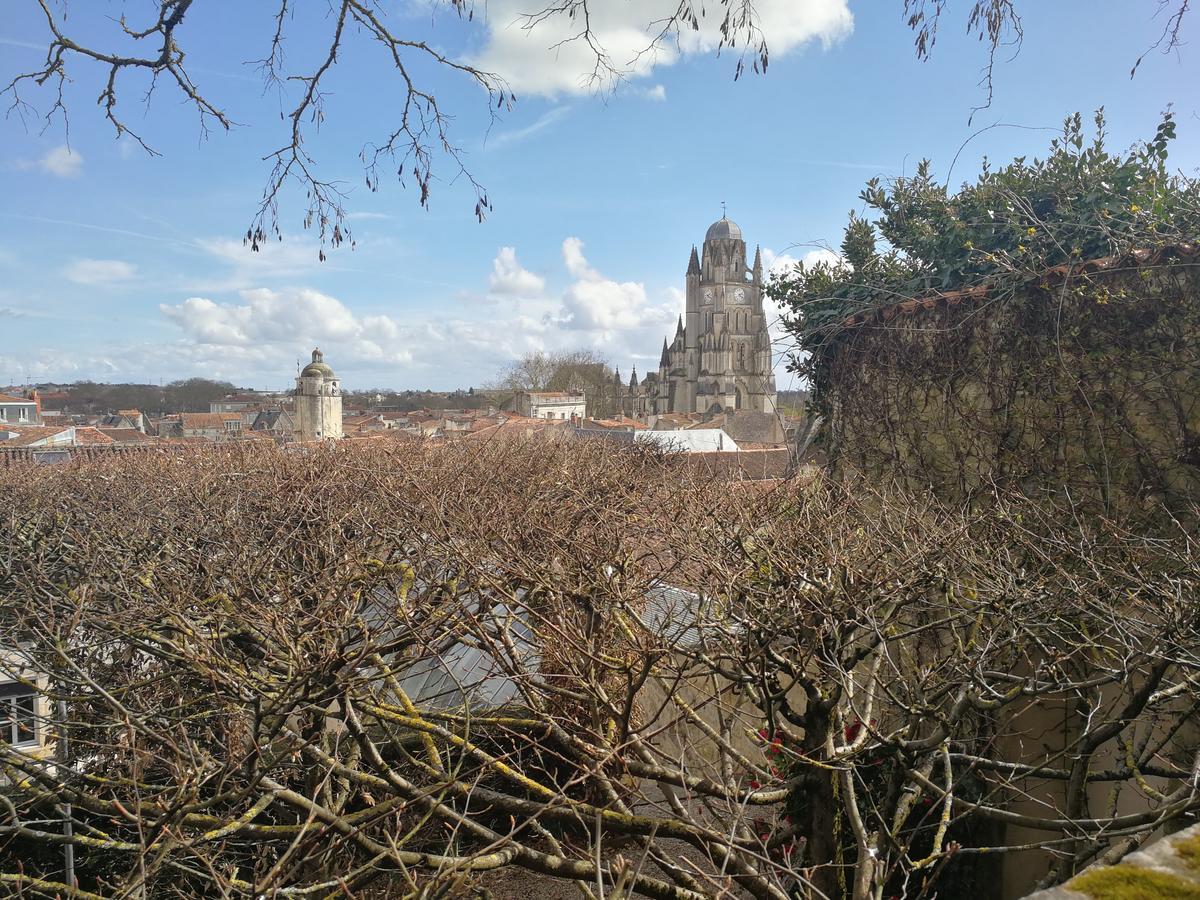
x: 708, y: 295
x: 739, y: 295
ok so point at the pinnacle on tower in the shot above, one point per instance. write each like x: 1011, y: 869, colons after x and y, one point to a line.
x: 694, y: 263
x: 757, y: 260
x: 617, y: 374
x: 665, y: 360
x: 679, y: 327
x: 633, y: 379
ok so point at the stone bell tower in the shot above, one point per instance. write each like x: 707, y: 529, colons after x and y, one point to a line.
x: 726, y: 359
x: 318, y: 402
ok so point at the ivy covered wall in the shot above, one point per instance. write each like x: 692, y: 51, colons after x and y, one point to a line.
x: 1082, y: 385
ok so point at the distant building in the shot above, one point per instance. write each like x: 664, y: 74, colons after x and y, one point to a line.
x: 318, y: 402
x: 125, y: 418
x: 24, y: 709
x: 211, y: 426
x: 278, y: 422
x: 235, y: 403
x: 20, y: 410
x: 720, y: 357
x: 52, y: 436
x: 562, y: 405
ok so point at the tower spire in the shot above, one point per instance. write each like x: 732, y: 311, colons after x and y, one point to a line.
x: 633, y: 383
x: 694, y: 263
x: 757, y: 263
x: 679, y: 327
x: 665, y: 360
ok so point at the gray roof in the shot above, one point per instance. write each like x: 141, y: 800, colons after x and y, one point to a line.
x: 269, y: 418
x: 678, y: 616
x: 460, y: 672
x: 463, y: 675
x: 723, y: 229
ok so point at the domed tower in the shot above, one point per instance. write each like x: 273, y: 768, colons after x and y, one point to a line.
x: 318, y: 402
x: 726, y: 344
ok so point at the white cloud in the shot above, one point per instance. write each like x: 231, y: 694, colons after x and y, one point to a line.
x: 274, y: 323
x: 545, y: 59
x: 510, y: 279
x: 592, y: 310
x: 63, y: 162
x: 781, y: 262
x: 99, y: 272
x: 599, y: 304
x: 577, y: 265
x: 517, y: 135
x: 128, y: 148
x: 812, y: 257
x: 657, y: 92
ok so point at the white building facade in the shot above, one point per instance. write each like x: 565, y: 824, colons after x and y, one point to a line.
x: 562, y: 405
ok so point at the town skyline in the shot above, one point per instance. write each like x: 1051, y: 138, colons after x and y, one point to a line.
x: 598, y: 200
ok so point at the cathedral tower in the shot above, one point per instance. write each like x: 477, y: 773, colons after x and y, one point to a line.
x: 318, y: 402
x: 722, y: 361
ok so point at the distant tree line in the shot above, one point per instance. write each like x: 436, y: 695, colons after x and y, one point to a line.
x: 408, y: 401
x: 184, y: 395
x: 574, y: 370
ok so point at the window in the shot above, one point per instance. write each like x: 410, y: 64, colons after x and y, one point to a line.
x: 18, y: 714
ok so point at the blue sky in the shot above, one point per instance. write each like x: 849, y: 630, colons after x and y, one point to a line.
x: 115, y: 265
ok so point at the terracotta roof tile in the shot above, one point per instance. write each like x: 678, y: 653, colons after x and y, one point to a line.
x: 1134, y: 259
x: 88, y: 435
x: 207, y: 420
x: 29, y: 434
x: 126, y: 435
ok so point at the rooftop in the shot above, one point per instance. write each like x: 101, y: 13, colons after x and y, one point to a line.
x: 207, y: 420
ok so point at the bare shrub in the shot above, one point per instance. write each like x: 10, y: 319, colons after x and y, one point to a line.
x: 360, y: 667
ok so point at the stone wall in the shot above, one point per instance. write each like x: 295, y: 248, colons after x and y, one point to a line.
x: 1082, y: 386
x: 1169, y: 869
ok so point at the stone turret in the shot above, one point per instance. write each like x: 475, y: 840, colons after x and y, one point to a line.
x: 318, y: 401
